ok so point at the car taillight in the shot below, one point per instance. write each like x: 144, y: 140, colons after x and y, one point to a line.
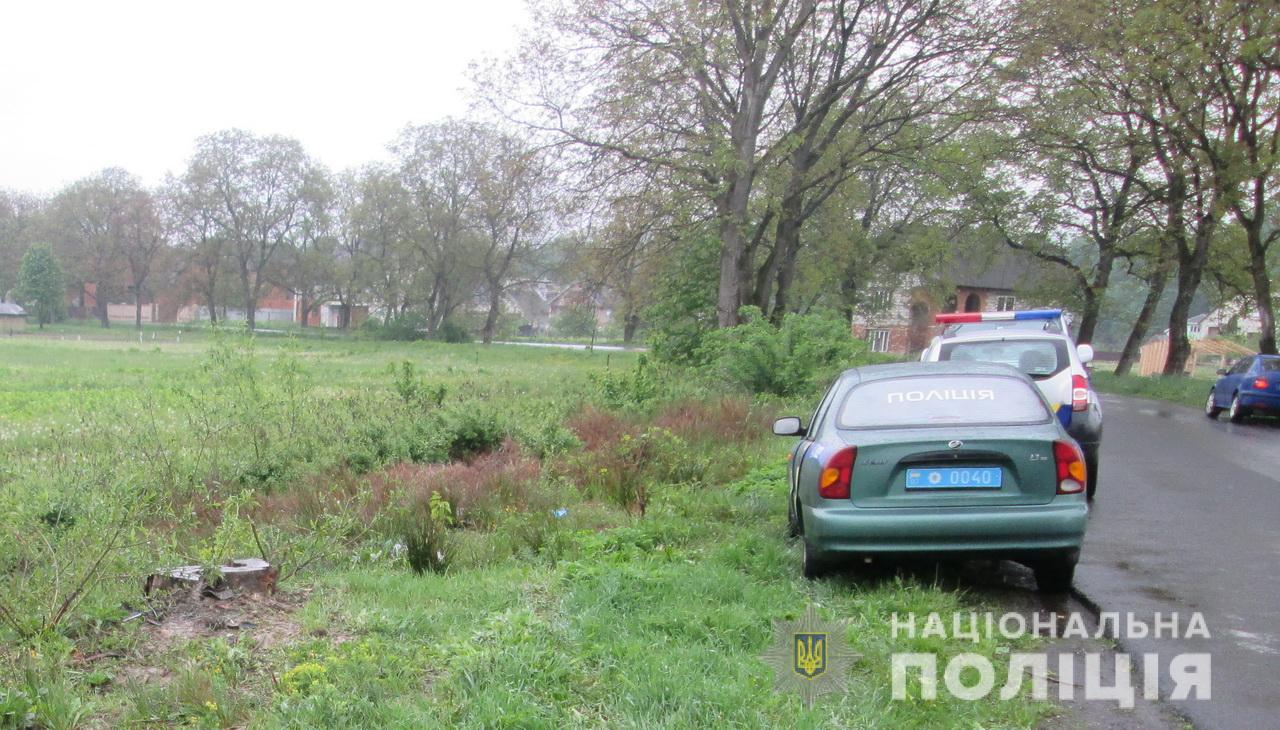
x: 838, y: 474
x: 1071, y: 471
x: 1260, y: 383
x: 1079, y: 393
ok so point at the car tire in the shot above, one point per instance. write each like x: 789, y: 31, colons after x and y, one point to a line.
x: 1054, y: 575
x: 1237, y: 413
x: 815, y: 563
x: 1211, y: 408
x: 1091, y: 473
x: 793, y: 520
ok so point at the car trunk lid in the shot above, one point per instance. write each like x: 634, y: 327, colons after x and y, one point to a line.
x: 913, y: 468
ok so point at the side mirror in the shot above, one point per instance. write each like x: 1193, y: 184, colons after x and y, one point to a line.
x: 1222, y: 371
x: 1085, y: 352
x: 789, y: 426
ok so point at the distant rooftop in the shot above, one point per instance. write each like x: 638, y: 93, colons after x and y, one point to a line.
x: 9, y: 309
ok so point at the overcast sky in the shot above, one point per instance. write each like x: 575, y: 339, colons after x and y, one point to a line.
x: 87, y: 84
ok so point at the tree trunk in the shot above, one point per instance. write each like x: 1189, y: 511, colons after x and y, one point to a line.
x: 137, y: 311
x: 1190, y: 270
x: 103, y: 315
x: 213, y: 306
x: 1143, y: 322
x: 1096, y: 291
x: 250, y: 310
x: 629, y: 326
x: 1261, y: 285
x: 729, y: 297
x: 250, y: 300
x: 495, y: 309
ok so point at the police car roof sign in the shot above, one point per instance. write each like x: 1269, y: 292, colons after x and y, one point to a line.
x: 966, y: 317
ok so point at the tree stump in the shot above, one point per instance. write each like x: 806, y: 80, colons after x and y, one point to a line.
x: 247, y: 575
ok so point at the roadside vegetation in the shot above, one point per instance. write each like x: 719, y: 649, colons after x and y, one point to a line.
x: 463, y: 535
x: 1187, y: 391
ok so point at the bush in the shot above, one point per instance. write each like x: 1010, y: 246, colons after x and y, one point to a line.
x: 472, y: 431
x: 684, y: 308
x: 405, y: 327
x: 627, y: 391
x: 796, y: 358
x: 452, y: 332
x: 424, y: 529
x: 579, y: 321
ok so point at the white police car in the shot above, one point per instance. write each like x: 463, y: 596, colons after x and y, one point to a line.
x: 1036, y: 342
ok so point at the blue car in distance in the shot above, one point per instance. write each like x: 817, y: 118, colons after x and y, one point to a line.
x: 1250, y: 386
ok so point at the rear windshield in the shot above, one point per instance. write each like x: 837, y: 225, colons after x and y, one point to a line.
x: 1271, y: 365
x: 1038, y: 358
x: 938, y: 400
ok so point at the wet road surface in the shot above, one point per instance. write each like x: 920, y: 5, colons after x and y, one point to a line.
x: 1187, y: 519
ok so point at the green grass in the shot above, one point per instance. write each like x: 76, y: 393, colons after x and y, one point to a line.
x: 1187, y: 391
x: 648, y: 604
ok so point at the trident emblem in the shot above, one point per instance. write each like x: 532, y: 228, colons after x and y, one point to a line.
x: 811, y: 655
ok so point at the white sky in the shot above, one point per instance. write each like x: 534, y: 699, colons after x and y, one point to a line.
x: 89, y: 84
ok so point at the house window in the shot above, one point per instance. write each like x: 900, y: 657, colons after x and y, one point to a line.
x: 879, y: 340
x: 1005, y: 304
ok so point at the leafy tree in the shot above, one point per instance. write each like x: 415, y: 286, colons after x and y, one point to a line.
x: 577, y: 321
x: 19, y: 214
x: 257, y: 193
x: 40, y: 284
x: 437, y: 175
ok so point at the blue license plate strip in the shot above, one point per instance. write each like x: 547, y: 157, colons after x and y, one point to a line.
x: 956, y: 478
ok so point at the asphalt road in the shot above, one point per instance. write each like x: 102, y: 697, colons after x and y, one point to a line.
x: 1187, y: 518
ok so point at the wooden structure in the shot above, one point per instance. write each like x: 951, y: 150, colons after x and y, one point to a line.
x: 1216, y: 350
x: 13, y: 318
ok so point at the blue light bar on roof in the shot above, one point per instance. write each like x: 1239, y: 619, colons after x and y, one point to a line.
x: 1038, y: 314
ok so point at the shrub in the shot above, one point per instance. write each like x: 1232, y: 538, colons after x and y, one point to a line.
x: 471, y: 431
x: 414, y: 390
x: 452, y: 332
x: 477, y: 491
x: 406, y: 326
x: 628, y: 390
x: 424, y: 529
x: 684, y: 308
x: 625, y: 469
x: 797, y: 358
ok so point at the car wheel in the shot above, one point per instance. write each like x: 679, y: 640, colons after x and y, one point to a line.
x: 1055, y: 575
x: 1237, y: 412
x: 815, y: 564
x: 1211, y: 408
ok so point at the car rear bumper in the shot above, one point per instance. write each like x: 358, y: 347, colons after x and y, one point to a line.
x: 1260, y: 401
x: 1008, y: 530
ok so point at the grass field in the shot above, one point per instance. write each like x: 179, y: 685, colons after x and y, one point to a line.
x: 466, y: 536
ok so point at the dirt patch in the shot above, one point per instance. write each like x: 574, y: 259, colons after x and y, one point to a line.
x: 267, y: 619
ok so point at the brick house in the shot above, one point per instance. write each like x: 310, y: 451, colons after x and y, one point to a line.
x: 899, y: 319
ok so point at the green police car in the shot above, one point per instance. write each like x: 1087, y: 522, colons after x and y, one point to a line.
x: 947, y: 459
